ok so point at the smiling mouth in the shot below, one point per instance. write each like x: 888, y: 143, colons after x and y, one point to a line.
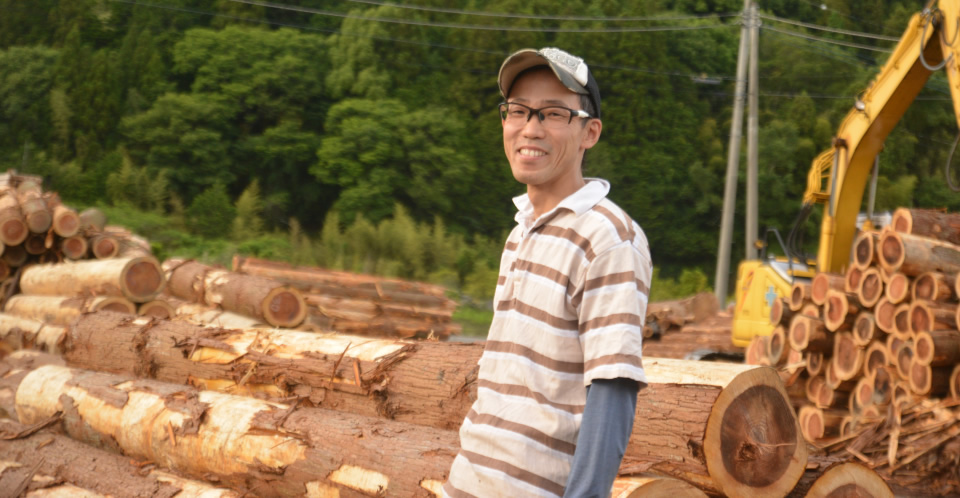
x: 532, y: 153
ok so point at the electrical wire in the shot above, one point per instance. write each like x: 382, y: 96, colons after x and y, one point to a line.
x: 828, y: 29
x: 823, y: 6
x: 539, y: 17
x: 844, y: 57
x: 646, y: 29
x: 826, y: 40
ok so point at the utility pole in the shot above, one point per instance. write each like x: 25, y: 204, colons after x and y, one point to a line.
x: 733, y: 159
x: 752, y: 132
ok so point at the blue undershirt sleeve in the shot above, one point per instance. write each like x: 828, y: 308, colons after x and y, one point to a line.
x: 604, y: 432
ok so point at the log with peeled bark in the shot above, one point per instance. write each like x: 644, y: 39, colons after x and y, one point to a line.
x: 24, y: 333
x: 66, y: 221
x: 59, y: 310
x: 267, y: 449
x: 725, y: 428
x: 36, y: 214
x: 88, y: 468
x: 157, y: 308
x: 258, y: 297
x: 913, y: 255
x: 823, y: 283
x: 92, y: 220
x: 848, y: 480
x: 104, y: 246
x: 13, y: 230
x: 864, y: 250
x: 74, y: 248
x: 927, y: 223
x: 435, y: 383
x: 138, y: 279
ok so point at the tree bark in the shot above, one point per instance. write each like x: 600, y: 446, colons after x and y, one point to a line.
x: 925, y: 316
x: 927, y: 223
x: 933, y: 286
x: 137, y: 279
x: 937, y: 348
x: 263, y: 298
x: 264, y: 448
x: 809, y: 334
x: 822, y: 284
x: 24, y: 333
x: 59, y: 458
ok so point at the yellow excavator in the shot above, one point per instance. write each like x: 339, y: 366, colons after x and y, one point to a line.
x: 839, y: 174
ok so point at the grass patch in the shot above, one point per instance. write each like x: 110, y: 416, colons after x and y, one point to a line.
x: 475, y: 321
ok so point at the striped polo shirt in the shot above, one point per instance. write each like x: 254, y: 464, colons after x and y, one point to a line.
x: 569, y: 308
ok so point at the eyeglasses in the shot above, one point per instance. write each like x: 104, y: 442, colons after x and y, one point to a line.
x: 553, y: 116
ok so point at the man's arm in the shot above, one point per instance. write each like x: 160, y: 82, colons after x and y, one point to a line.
x: 604, y: 431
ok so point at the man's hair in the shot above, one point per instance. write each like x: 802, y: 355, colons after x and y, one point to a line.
x: 585, y: 102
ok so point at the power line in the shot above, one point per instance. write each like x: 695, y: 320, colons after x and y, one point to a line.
x: 826, y: 40
x: 831, y: 30
x: 844, y: 57
x: 823, y: 6
x: 539, y: 17
x: 480, y: 27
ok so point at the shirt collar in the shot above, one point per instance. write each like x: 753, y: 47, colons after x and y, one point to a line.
x: 594, y: 191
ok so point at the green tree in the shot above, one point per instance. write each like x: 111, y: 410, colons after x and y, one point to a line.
x: 211, y: 213
x: 248, y: 224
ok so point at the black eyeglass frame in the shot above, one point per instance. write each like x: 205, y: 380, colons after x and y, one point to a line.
x: 574, y: 113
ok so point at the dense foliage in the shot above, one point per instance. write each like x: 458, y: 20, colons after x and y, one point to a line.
x: 231, y: 121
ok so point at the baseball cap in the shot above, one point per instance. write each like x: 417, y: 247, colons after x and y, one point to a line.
x: 571, y: 70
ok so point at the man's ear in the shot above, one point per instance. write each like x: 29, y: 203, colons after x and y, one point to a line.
x: 591, y: 133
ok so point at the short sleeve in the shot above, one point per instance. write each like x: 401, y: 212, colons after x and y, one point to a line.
x: 612, y: 313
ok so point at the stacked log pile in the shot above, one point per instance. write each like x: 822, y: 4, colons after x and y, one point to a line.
x: 872, y: 357
x: 364, y: 416
x: 362, y: 304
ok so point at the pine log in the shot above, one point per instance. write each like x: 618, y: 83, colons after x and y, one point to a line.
x: 847, y: 356
x: 266, y: 448
x: 864, y: 250
x: 92, y: 219
x: 799, y: 295
x: 840, y: 310
x: 913, y: 255
x: 104, y: 246
x: 927, y: 223
x: 871, y: 288
x: 809, y: 334
x: 13, y: 230
x: 933, y: 286
x: 955, y: 383
x: 36, y: 214
x: 780, y: 312
x: 258, y: 297
x: 25, y: 333
x: 851, y: 279
x: 59, y: 310
x: 865, y: 329
x: 87, y: 468
x: 901, y: 321
x: 652, y: 487
x: 751, y: 442
x: 929, y: 381
x: 403, y: 381
x: 849, y: 480
x: 876, y: 356
x: 66, y: 221
x: 898, y: 288
x: 137, y: 279
x: 74, y: 248
x: 427, y: 383
x: 15, y: 256
x: 778, y: 348
x: 157, y: 308
x: 821, y: 423
x: 883, y: 314
x: 931, y: 315
x: 937, y: 348
x: 822, y: 283
x: 814, y: 362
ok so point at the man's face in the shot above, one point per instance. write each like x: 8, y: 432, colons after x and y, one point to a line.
x: 540, y: 156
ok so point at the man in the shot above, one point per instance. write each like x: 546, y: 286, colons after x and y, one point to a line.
x: 559, y: 376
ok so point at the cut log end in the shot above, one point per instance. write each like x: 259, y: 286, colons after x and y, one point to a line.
x: 74, y: 247
x: 871, y: 287
x: 863, y: 251
x: 898, y: 288
x: 864, y: 329
x: 753, y: 444
x: 66, y: 223
x: 847, y: 356
x: 848, y: 480
x: 955, y: 382
x: 158, y: 309
x: 891, y: 251
x: 105, y: 247
x: 13, y: 231
x: 285, y: 308
x: 143, y: 279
